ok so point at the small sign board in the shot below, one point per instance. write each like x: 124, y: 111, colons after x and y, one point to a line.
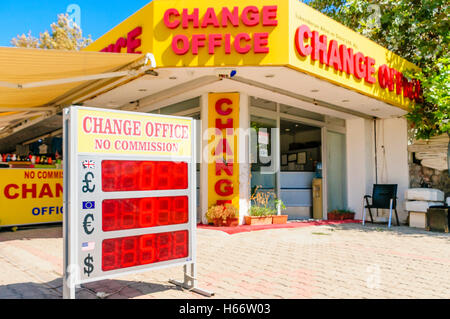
x: 129, y: 194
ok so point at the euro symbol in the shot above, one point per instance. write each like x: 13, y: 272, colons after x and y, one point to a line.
x: 86, y: 188
x: 87, y: 223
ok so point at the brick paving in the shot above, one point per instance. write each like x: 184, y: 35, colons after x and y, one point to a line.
x: 333, y: 261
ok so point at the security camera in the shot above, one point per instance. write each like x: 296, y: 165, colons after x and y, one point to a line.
x: 226, y: 73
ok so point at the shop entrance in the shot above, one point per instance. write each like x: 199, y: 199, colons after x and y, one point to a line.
x: 300, y: 166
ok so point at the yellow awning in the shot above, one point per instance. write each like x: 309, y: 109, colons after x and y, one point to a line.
x: 33, y: 78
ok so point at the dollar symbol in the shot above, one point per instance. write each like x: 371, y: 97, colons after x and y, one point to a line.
x: 89, y: 266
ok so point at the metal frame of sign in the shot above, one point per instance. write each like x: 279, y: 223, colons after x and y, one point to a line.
x: 84, y: 266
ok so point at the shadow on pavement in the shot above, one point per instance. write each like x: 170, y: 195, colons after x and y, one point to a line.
x: 32, y: 232
x: 105, y: 289
x: 405, y: 231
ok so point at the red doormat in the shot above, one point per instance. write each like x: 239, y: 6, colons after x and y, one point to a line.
x: 250, y: 228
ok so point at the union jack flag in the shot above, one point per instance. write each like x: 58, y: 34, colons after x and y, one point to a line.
x: 88, y: 164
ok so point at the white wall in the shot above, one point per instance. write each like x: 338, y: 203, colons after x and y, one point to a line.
x: 392, y: 162
x: 392, y: 149
x: 360, y: 163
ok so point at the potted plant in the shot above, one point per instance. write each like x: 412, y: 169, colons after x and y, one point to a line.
x: 222, y: 215
x: 260, y: 213
x: 230, y: 214
x: 215, y: 214
x: 259, y: 216
x: 277, y: 218
x: 341, y: 214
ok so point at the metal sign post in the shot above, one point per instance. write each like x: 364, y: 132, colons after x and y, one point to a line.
x: 129, y: 195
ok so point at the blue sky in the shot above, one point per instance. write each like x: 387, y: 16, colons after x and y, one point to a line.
x: 97, y: 16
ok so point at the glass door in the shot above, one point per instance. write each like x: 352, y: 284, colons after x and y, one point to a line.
x: 264, y: 149
x: 336, y: 171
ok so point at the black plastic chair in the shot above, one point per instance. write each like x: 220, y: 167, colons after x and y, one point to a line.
x: 384, y: 196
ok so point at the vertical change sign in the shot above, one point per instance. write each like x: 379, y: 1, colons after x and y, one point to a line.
x: 129, y: 195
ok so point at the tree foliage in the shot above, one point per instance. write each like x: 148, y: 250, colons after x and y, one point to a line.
x: 418, y: 31
x: 65, y: 35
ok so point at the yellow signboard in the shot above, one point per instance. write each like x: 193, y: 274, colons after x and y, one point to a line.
x: 223, y: 149
x: 267, y: 33
x: 133, y: 134
x: 30, y: 196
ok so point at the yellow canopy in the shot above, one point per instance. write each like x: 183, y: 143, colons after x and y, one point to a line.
x: 32, y: 78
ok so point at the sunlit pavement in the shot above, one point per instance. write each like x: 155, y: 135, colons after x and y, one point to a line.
x: 339, y: 261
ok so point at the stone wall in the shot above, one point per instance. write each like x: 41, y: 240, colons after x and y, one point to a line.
x: 436, y: 179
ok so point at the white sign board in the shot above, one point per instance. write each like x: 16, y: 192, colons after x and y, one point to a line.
x: 129, y: 194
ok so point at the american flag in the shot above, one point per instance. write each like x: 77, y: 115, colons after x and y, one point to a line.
x: 89, y: 164
x: 88, y: 246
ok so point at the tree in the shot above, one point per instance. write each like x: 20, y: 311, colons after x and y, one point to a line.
x: 416, y: 30
x: 65, y: 35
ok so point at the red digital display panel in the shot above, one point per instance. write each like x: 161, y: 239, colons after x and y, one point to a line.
x: 126, y: 176
x: 134, y: 251
x: 122, y: 214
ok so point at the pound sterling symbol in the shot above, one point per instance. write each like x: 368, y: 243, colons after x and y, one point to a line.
x: 89, y: 266
x: 87, y: 224
x: 86, y: 188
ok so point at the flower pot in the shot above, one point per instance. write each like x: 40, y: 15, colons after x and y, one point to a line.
x: 279, y: 219
x: 218, y: 222
x: 349, y: 216
x: 232, y: 222
x: 332, y: 216
x: 252, y: 220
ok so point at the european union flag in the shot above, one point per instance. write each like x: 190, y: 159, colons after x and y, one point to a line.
x: 88, y: 205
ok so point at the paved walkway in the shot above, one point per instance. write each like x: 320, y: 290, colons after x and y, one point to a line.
x: 339, y: 261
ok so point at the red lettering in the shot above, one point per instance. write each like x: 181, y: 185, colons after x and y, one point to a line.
x: 319, y: 44
x: 121, y: 43
x: 219, y: 108
x: 210, y: 18
x: 334, y: 58
x: 224, y: 188
x: 227, y: 43
x: 85, y: 124
x: 225, y: 167
x: 198, y: 40
x: 237, y: 43
x: 31, y: 190
x: 250, y: 16
x: 223, y: 148
x: 59, y: 190
x: 184, y: 44
x: 261, y: 40
x: 269, y: 14
x: 213, y: 42
x: 370, y: 70
x: 347, y: 59
x: 132, y: 42
x: 360, y: 69
x: 7, y: 191
x: 302, y: 33
x: 232, y: 17
x: 228, y: 125
x: 398, y: 82
x: 46, y: 191
x: 383, y: 76
x: 167, y: 21
x: 186, y: 18
x: 223, y: 202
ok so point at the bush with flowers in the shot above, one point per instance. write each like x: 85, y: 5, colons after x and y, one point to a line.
x: 220, y: 213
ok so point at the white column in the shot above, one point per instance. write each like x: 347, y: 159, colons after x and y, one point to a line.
x: 244, y: 158
x: 392, y: 164
x: 204, y: 159
x: 360, y: 163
